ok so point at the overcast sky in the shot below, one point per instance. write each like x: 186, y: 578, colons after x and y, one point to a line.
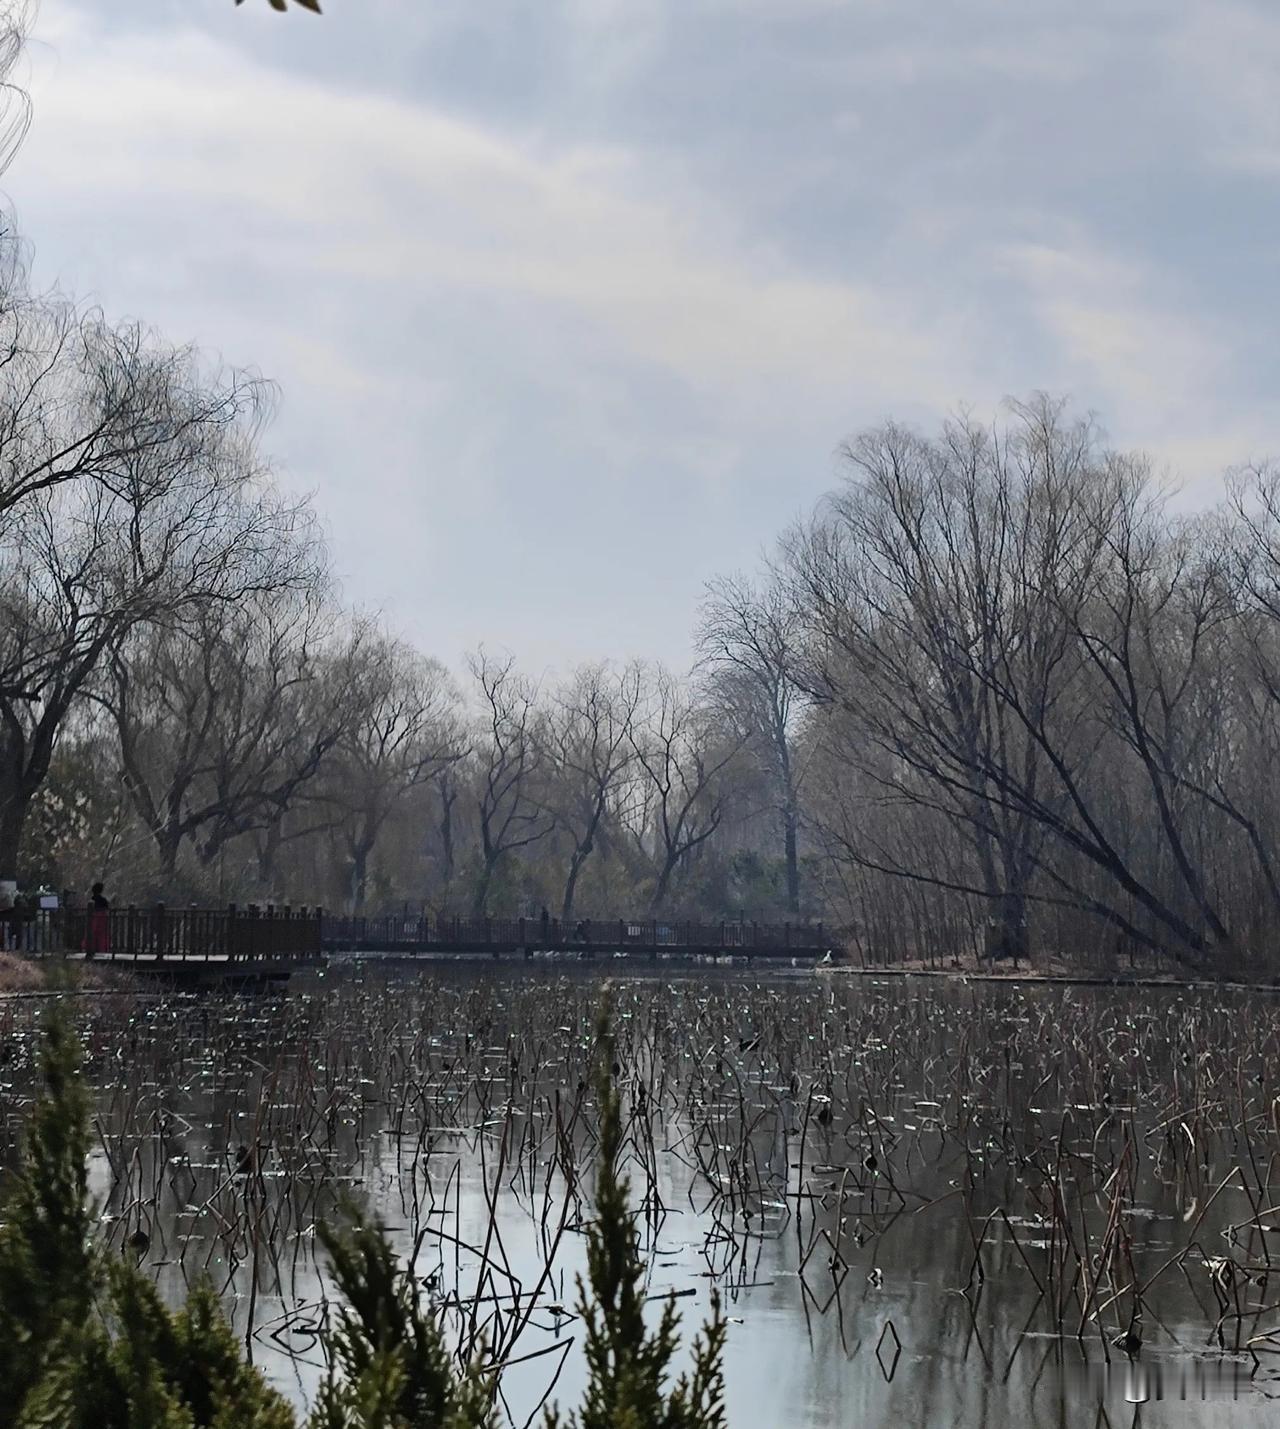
x: 572, y: 301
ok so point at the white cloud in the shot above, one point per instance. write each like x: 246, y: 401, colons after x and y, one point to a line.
x: 352, y: 185
x: 605, y: 330
x: 1108, y: 325
x: 1227, y: 55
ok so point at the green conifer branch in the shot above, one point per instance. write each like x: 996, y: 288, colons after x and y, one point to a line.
x: 87, y: 1343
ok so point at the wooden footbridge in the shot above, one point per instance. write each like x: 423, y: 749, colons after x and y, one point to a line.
x: 183, y: 944
x: 587, y: 937
x: 267, y: 942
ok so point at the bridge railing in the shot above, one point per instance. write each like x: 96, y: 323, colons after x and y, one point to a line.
x: 280, y: 933
x: 166, y: 934
x: 426, y: 932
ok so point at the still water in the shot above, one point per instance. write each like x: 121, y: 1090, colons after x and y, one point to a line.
x: 922, y: 1203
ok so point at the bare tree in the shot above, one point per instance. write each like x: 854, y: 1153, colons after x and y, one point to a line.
x: 589, y: 749
x: 750, y: 637
x: 402, y: 729
x: 82, y: 401
x: 508, y: 761
x: 15, y: 104
x: 448, y: 790
x: 223, y: 717
x: 684, y: 764
x: 888, y: 571
x: 1008, y: 617
x: 161, y: 530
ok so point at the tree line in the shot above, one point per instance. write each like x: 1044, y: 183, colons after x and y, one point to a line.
x: 188, y: 712
x: 997, y: 690
x: 1042, y: 693
x: 1000, y: 691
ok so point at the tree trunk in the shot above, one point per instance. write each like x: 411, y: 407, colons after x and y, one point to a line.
x: 446, y: 830
x: 1013, y: 925
x: 481, y: 898
x: 268, y: 851
x: 359, y: 877
x: 168, y: 842
x: 663, y: 885
x: 571, y: 882
x: 13, y: 817
x: 24, y: 764
x: 790, y: 821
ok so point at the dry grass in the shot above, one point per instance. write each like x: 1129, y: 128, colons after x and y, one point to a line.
x: 19, y: 974
x: 1041, y: 964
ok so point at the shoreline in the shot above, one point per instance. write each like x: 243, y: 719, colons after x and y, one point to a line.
x: 1144, y: 980
x: 1147, y: 981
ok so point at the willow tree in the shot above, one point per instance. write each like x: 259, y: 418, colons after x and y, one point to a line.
x: 508, y: 757
x: 750, y: 637
x: 587, y: 734
x: 182, y: 516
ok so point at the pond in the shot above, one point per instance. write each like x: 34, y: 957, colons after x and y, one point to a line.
x: 921, y: 1202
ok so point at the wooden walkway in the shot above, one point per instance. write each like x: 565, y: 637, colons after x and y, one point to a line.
x: 240, y: 942
x: 587, y: 937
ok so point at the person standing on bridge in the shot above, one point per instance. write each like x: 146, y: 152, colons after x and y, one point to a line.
x: 99, y: 930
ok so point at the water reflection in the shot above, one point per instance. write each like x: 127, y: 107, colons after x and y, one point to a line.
x: 927, y: 1205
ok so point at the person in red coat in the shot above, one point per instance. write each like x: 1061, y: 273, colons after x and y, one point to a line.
x: 99, y: 939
